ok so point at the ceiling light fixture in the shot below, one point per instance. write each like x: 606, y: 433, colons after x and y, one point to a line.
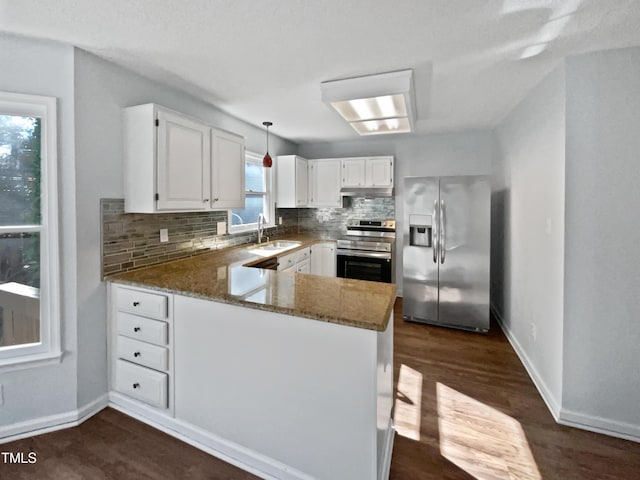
x: 267, y: 161
x: 374, y: 104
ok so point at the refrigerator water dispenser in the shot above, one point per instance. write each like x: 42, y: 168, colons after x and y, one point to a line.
x: 420, y: 230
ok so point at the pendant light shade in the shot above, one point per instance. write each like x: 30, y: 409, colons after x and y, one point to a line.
x: 267, y: 161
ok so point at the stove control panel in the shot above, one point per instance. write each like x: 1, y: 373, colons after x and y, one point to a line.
x: 387, y: 224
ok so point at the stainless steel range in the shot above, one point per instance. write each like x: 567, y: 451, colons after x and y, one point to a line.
x: 366, y: 252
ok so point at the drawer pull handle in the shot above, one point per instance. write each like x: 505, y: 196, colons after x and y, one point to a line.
x: 136, y: 329
x: 136, y: 354
x: 135, y: 304
x: 136, y: 385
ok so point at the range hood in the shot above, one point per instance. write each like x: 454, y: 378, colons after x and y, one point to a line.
x: 367, y: 192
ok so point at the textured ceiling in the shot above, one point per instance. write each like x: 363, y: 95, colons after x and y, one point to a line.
x: 264, y: 60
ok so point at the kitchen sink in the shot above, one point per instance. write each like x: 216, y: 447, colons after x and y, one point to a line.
x: 273, y: 248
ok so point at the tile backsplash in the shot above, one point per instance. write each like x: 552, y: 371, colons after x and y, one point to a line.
x: 334, y: 220
x: 132, y: 240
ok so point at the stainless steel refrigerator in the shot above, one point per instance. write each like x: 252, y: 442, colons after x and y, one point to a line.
x: 446, y: 242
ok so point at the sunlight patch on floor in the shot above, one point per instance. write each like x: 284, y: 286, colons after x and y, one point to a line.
x: 482, y: 441
x: 406, y: 417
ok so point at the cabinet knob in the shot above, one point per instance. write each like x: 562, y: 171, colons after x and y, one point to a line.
x: 135, y: 304
x: 205, y: 200
x: 136, y: 385
x: 216, y: 199
x: 136, y: 329
x: 136, y: 354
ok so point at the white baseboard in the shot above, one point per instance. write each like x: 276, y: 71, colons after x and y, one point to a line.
x: 563, y: 416
x: 627, y: 431
x: 552, y: 404
x: 230, y: 452
x: 51, y: 423
x: 385, y: 466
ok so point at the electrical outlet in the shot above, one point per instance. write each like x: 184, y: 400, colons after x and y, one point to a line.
x: 533, y: 331
x: 164, y: 235
x: 279, y: 220
x: 221, y: 228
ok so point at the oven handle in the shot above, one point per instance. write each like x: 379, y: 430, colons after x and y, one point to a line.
x: 360, y: 253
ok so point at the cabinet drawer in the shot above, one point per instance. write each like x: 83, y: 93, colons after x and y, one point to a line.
x: 303, y: 254
x: 141, y: 328
x: 142, y: 383
x: 287, y: 261
x: 142, y: 303
x: 143, y: 353
x: 304, y: 266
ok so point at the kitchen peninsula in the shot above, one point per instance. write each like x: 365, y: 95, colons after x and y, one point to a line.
x: 287, y: 375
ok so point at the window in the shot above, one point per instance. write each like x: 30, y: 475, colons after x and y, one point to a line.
x: 258, y: 197
x: 29, y: 313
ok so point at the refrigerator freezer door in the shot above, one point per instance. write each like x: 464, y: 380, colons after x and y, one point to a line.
x: 464, y: 269
x: 420, y: 267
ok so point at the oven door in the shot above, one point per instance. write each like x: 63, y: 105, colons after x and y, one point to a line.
x: 361, y: 265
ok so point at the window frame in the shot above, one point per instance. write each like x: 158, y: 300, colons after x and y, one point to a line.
x: 48, y: 349
x: 256, y: 158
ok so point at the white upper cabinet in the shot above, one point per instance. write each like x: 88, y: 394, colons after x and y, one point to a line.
x: 379, y: 172
x: 184, y: 151
x: 353, y: 172
x: 367, y: 172
x: 227, y: 170
x: 292, y: 181
x: 325, y: 180
x: 170, y: 165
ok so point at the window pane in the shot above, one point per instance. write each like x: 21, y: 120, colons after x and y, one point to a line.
x: 19, y: 170
x: 254, y: 177
x: 19, y: 288
x: 254, y: 205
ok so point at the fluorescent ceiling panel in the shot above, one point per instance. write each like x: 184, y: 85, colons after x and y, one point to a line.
x: 379, y: 127
x: 386, y: 106
x: 373, y: 104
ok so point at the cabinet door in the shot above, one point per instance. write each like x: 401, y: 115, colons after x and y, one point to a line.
x: 353, y: 172
x: 323, y: 259
x: 302, y: 182
x: 325, y: 183
x: 380, y: 172
x: 303, y: 267
x: 227, y: 171
x: 184, y: 152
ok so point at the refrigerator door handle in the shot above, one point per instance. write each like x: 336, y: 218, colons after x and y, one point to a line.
x: 443, y: 247
x: 434, y: 240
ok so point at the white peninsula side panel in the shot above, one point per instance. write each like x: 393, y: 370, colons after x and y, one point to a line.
x: 314, y: 397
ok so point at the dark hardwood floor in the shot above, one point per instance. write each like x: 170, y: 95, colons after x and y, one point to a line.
x: 465, y: 391
x: 113, y: 446
x: 486, y: 369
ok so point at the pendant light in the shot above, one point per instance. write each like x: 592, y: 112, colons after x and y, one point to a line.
x: 267, y: 161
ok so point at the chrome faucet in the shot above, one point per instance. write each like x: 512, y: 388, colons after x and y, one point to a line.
x: 261, y: 221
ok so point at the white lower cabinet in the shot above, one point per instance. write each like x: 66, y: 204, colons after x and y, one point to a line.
x: 142, y: 328
x: 303, y: 266
x: 258, y: 386
x: 140, y: 345
x: 298, y: 261
x: 142, y: 383
x: 143, y: 353
x: 323, y: 259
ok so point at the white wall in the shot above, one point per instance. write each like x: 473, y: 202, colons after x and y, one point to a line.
x: 602, y: 283
x: 464, y: 153
x: 102, y: 89
x: 39, y: 68
x: 529, y: 261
